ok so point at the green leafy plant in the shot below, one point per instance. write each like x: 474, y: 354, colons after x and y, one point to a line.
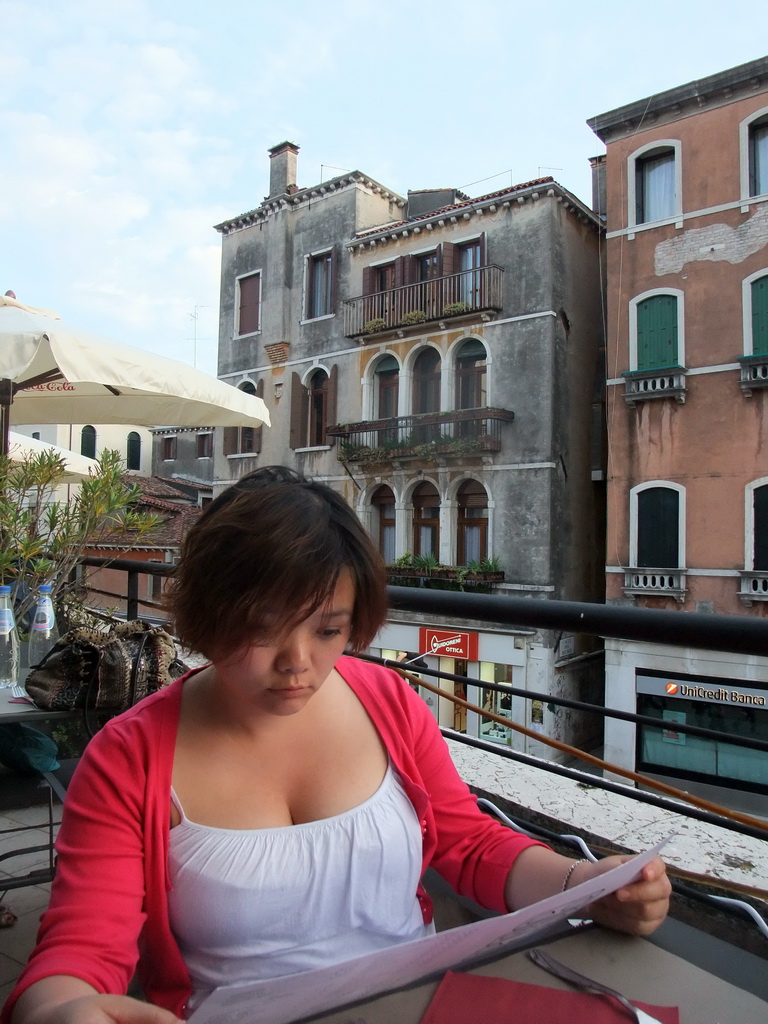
x: 372, y: 326
x: 415, y: 316
x: 42, y: 539
x: 425, y: 562
x: 404, y: 561
x: 456, y: 308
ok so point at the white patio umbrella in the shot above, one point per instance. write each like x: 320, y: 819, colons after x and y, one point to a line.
x: 53, y: 373
x: 76, y: 467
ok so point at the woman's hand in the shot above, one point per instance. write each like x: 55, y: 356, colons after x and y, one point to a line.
x: 35, y: 1007
x: 637, y: 909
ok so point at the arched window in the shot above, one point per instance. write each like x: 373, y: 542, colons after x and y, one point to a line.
x: 472, y: 523
x: 655, y: 185
x: 383, y: 502
x: 658, y: 528
x: 760, y: 529
x: 387, y: 387
x: 88, y: 442
x: 471, y: 375
x: 657, y: 332
x: 244, y: 440
x: 318, y: 407
x: 426, y: 520
x: 758, y: 156
x: 133, y: 451
x: 426, y: 381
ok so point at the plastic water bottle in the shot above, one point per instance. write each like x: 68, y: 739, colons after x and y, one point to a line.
x: 9, y: 641
x: 43, y: 634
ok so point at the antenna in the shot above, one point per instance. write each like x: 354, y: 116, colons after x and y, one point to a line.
x: 194, y: 316
x: 538, y: 175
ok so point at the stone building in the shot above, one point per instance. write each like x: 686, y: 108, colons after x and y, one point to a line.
x: 437, y: 359
x: 686, y: 191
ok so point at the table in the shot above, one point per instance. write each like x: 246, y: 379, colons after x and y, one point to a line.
x: 636, y: 967
x: 10, y: 712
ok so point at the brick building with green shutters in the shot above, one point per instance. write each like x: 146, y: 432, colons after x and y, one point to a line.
x: 684, y: 186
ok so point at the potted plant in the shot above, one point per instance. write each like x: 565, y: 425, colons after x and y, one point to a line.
x: 456, y: 308
x: 415, y: 316
x: 373, y: 326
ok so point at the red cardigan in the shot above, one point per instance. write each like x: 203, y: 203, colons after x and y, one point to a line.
x: 108, y: 914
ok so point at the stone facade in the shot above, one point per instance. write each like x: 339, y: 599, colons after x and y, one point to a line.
x: 437, y: 359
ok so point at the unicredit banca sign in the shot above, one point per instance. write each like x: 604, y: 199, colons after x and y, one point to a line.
x: 725, y: 691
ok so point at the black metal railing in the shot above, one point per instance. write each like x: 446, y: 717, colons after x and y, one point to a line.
x: 461, y: 433
x: 470, y: 291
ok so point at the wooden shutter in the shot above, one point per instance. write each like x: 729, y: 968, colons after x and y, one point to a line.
x: 760, y: 530
x: 658, y: 521
x: 230, y: 440
x: 335, y: 272
x: 760, y: 316
x: 369, y: 280
x: 449, y: 259
x: 250, y: 297
x: 330, y: 401
x: 299, y: 413
x: 657, y: 332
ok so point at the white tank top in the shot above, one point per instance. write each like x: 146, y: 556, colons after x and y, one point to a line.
x: 261, y: 903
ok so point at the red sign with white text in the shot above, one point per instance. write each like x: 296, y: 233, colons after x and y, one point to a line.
x: 445, y: 643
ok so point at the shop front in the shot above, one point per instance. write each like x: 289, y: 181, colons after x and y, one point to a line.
x: 472, y: 655
x: 726, y: 705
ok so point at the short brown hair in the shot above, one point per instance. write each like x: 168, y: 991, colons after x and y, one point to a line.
x: 273, y: 546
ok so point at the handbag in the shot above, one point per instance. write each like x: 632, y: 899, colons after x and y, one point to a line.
x: 105, y: 671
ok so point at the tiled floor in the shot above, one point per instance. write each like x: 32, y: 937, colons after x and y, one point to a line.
x: 27, y: 903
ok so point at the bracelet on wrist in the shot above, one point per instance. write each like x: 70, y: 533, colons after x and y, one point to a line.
x: 569, y: 873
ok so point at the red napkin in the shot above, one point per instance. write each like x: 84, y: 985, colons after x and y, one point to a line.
x: 482, y: 1000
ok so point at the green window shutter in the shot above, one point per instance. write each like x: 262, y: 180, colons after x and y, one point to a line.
x: 760, y: 526
x: 657, y: 332
x: 658, y: 521
x: 760, y: 316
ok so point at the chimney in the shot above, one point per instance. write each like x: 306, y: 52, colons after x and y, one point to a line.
x: 599, y: 199
x: 282, y: 168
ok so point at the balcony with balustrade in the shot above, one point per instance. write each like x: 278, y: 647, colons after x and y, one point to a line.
x: 436, y: 301
x: 434, y: 436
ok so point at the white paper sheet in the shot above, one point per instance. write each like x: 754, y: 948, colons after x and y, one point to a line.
x: 286, y: 999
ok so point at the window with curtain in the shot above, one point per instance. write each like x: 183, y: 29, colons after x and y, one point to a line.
x: 759, y: 298
x: 469, y: 262
x: 658, y: 528
x: 133, y: 451
x: 88, y: 442
x: 472, y: 523
x: 655, y: 188
x: 383, y: 502
x: 319, y: 285
x: 657, y: 341
x: 426, y: 520
x: 758, y: 157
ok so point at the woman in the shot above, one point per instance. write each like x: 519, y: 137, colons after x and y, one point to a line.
x: 275, y: 810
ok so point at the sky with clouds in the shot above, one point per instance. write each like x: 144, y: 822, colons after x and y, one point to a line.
x: 130, y: 127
